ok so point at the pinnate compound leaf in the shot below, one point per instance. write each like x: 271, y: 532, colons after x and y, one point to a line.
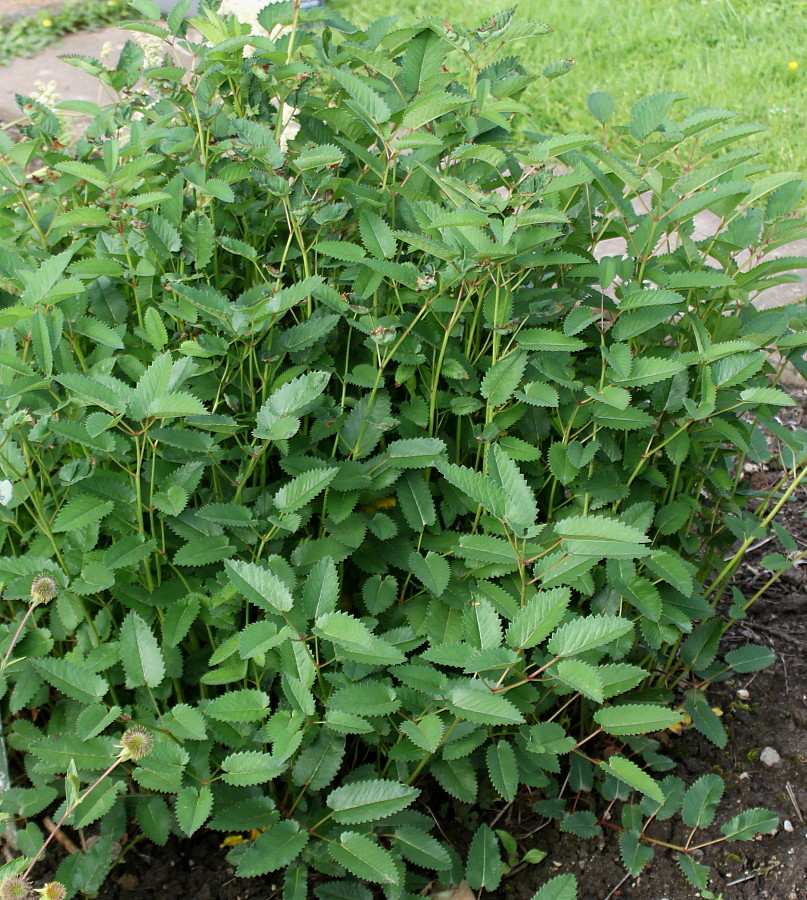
x: 750, y: 822
x: 629, y: 773
x: 363, y: 858
x: 193, y: 808
x: 140, y: 653
x: 369, y: 801
x: 273, y: 849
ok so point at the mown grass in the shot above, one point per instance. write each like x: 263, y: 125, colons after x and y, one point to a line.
x: 734, y: 54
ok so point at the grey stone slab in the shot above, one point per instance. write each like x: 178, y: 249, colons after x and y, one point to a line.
x: 73, y: 84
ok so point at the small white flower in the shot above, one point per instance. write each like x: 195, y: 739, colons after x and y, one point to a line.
x: 6, y: 492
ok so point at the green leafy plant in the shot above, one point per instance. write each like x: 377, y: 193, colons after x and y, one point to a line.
x: 364, y: 466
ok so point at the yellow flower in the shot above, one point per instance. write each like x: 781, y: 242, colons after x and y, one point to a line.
x: 47, y: 23
x: 793, y: 65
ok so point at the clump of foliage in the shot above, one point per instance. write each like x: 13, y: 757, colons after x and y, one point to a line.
x: 364, y: 466
x: 27, y: 35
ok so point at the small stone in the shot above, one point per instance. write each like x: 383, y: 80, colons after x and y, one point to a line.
x: 769, y: 757
x: 787, y: 825
x: 743, y: 694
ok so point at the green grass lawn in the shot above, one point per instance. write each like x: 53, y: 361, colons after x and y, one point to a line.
x: 734, y: 54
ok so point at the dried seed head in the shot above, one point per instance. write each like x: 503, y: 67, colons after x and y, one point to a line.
x: 15, y: 887
x: 43, y: 589
x: 53, y: 890
x: 135, y: 743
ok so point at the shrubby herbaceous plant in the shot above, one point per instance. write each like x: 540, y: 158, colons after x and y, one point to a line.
x: 358, y: 470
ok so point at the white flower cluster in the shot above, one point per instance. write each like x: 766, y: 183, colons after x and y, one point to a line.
x: 47, y: 94
x: 153, y: 49
x: 246, y: 12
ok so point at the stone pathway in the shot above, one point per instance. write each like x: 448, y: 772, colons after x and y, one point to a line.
x: 20, y: 75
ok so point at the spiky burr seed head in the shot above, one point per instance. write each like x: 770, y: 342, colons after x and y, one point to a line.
x: 135, y: 743
x: 53, y: 890
x: 15, y: 887
x: 43, y: 589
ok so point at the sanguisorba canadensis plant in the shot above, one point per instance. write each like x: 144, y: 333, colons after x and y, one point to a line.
x: 363, y: 468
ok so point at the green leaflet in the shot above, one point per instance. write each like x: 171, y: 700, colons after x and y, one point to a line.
x: 259, y: 585
x: 140, y: 653
x: 72, y: 680
x: 364, y: 858
x: 273, y: 849
x: 628, y: 772
x: 637, y: 718
x: 369, y: 801
x: 701, y: 801
x: 502, y: 379
x: 481, y: 706
x: 484, y: 866
x: 193, y: 808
